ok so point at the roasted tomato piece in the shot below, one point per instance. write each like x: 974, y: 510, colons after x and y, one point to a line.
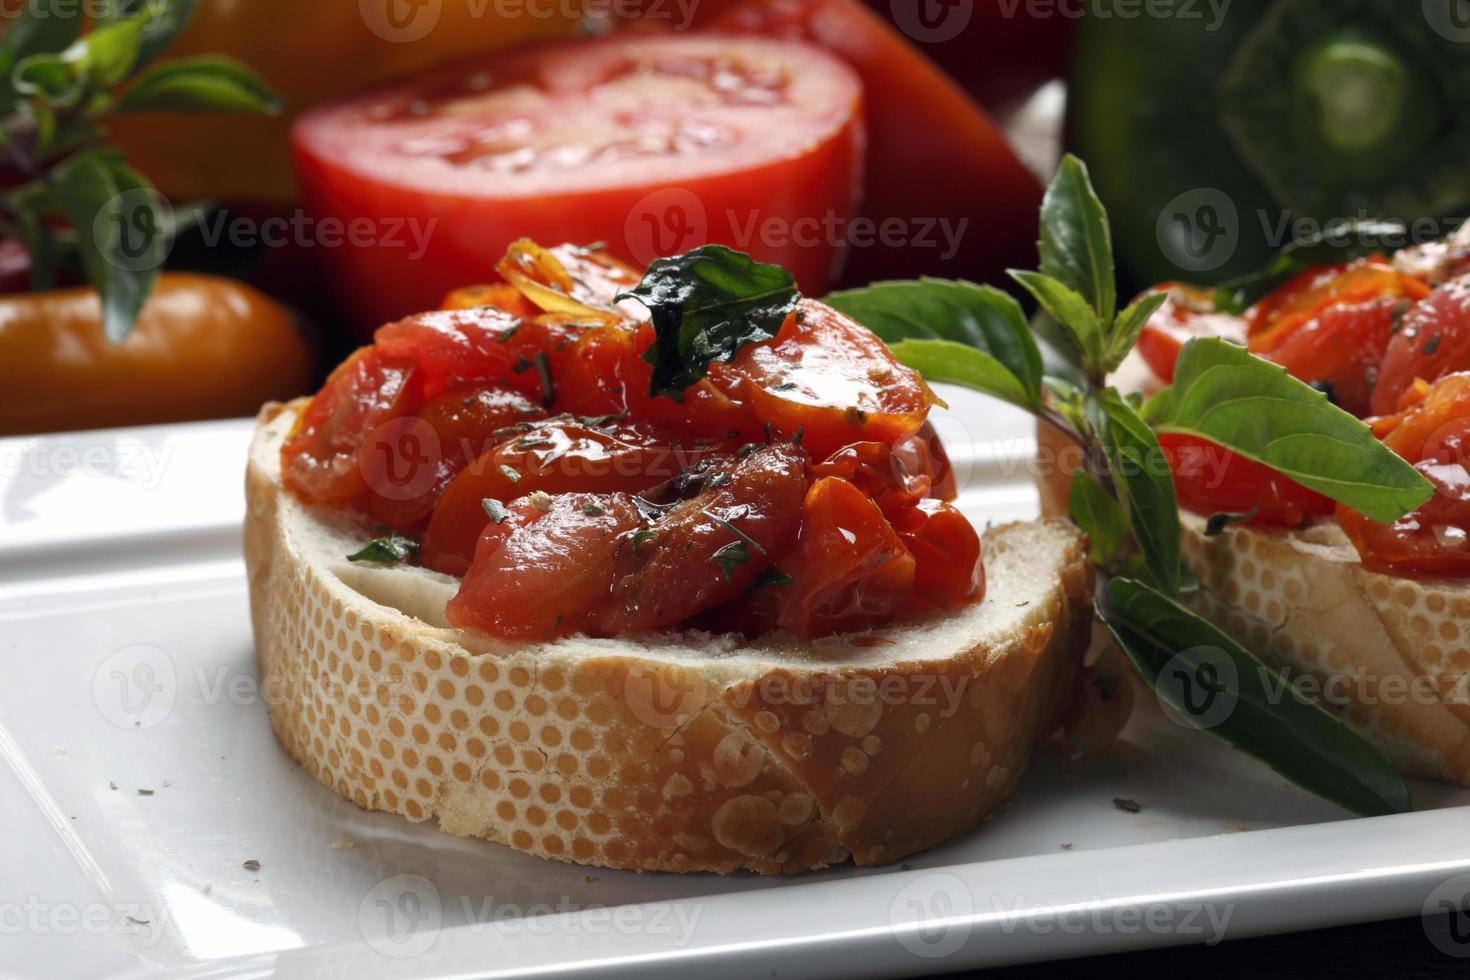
x: 319, y: 461
x: 877, y: 471
x: 948, y: 570
x: 1330, y: 326
x: 453, y: 348
x: 829, y: 379
x: 1210, y: 479
x: 408, y: 465
x: 539, y: 573
x: 1433, y: 341
x: 1189, y: 312
x: 710, y: 549
x: 1434, y: 435
x: 923, y: 453
x: 502, y: 296
x: 563, y: 455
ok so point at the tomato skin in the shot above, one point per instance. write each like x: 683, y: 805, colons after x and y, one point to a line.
x: 677, y: 574
x: 948, y: 570
x: 1340, y: 348
x: 931, y: 151
x: 203, y: 348
x: 1186, y: 314
x: 923, y: 453
x: 828, y: 378
x: 448, y: 432
x: 788, y: 161
x: 1434, y: 435
x: 538, y: 575
x: 453, y: 348
x: 1210, y: 479
x: 1414, y: 352
x: 561, y: 456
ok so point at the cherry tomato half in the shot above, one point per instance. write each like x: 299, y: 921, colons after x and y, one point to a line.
x: 1186, y: 314
x: 1433, y: 341
x: 1434, y: 435
x: 651, y: 144
x: 1210, y: 479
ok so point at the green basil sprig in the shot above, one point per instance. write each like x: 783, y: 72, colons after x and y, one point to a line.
x: 1125, y: 499
x: 78, y: 204
x: 706, y: 305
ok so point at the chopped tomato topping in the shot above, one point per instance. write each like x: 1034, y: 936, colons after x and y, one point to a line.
x: 1210, y: 479
x: 948, y: 572
x: 1433, y: 341
x: 1434, y: 435
x: 1188, y: 313
x: 563, y: 455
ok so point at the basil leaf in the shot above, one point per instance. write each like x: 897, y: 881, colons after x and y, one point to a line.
x: 1334, y: 243
x: 1129, y: 325
x: 163, y: 21
x: 40, y: 244
x: 947, y: 361
x: 1076, y: 246
x: 208, y: 83
x: 1071, y: 311
x: 983, y: 317
x: 120, y: 233
x: 1100, y: 516
x: 1144, y: 483
x: 1217, y: 685
x: 1252, y: 407
x: 35, y: 29
x: 391, y: 549
x: 706, y: 305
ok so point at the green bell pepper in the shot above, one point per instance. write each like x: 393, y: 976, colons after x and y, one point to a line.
x: 1218, y: 131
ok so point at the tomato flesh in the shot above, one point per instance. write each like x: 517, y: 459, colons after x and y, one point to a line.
x: 563, y: 455
x: 1210, y: 479
x: 1434, y: 435
x: 652, y: 144
x: 1433, y: 341
x: 1187, y: 313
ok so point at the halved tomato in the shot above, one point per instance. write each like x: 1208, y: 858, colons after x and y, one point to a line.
x: 650, y: 144
x: 563, y: 455
x: 1189, y: 312
x: 1434, y: 435
x: 1434, y: 341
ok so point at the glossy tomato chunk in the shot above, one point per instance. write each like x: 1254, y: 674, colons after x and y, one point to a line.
x: 563, y: 455
x: 948, y: 569
x: 1210, y: 479
x: 1434, y: 435
x: 1186, y: 314
x: 1433, y: 341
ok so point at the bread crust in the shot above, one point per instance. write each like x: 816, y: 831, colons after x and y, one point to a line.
x: 1391, y: 655
x: 679, y: 753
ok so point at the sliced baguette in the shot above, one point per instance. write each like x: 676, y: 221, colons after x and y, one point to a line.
x: 1392, y: 655
x: 676, y: 752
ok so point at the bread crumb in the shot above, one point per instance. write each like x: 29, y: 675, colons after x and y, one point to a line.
x: 1126, y: 805
x: 145, y: 792
x: 343, y: 845
x: 251, y: 865
x: 111, y: 785
x: 588, y: 879
x: 61, y: 750
x: 1066, y: 845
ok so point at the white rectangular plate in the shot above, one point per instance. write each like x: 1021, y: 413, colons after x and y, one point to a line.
x: 140, y: 785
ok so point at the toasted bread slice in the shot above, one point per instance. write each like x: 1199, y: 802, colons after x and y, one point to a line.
x: 1390, y: 654
x: 676, y: 752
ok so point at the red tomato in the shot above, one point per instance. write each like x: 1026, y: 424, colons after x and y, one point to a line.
x: 931, y: 152
x: 923, y: 453
x: 651, y: 144
x: 1434, y: 435
x: 608, y: 565
x: 319, y: 461
x: 948, y: 571
x: 1211, y: 480
x: 563, y: 455
x: 829, y: 379
x: 1433, y: 341
x: 408, y: 466
x: 1186, y: 314
x: 851, y: 569
x: 453, y: 348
